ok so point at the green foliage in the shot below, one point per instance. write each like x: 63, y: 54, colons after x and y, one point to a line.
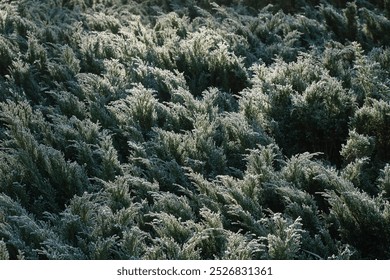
x: 194, y: 129
x: 373, y: 120
x: 304, y: 109
x: 384, y: 181
x: 284, y: 238
x: 357, y: 146
x: 359, y: 218
x: 7, y: 53
x: 207, y: 60
x: 4, y: 255
x: 376, y: 27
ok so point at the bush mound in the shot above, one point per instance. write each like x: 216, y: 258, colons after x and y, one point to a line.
x: 194, y: 129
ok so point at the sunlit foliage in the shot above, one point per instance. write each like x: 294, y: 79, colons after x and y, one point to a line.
x: 183, y: 129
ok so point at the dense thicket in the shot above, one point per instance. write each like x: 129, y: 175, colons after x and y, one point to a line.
x: 194, y: 129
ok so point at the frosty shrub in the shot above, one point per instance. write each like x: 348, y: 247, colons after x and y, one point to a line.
x: 233, y: 129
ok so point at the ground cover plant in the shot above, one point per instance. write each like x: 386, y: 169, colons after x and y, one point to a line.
x: 230, y: 129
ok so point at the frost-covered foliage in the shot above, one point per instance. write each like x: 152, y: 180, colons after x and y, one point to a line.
x: 232, y: 129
